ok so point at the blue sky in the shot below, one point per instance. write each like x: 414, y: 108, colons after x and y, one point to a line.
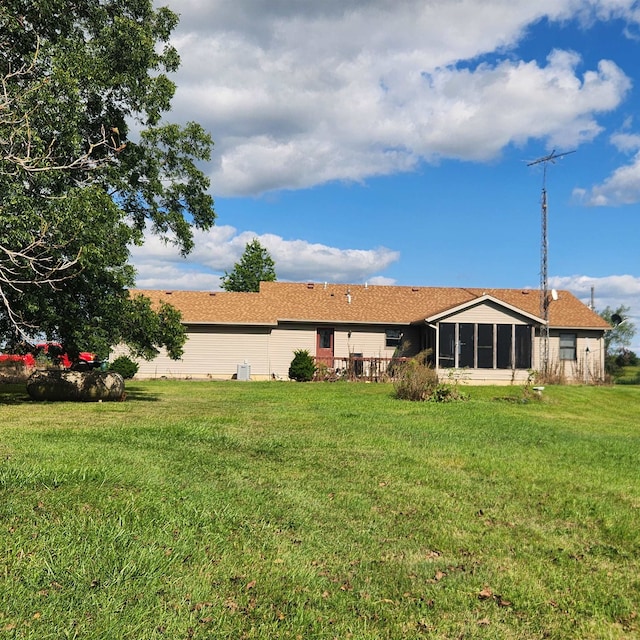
x: 387, y: 142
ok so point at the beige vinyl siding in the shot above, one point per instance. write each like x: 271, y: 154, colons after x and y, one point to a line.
x: 284, y: 340
x: 488, y: 313
x: 370, y: 341
x: 588, y: 365
x: 213, y: 352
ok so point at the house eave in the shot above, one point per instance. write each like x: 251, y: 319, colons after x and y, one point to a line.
x: 213, y: 323
x: 573, y: 327
x: 324, y: 321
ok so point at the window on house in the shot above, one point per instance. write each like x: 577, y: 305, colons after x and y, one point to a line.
x: 568, y: 346
x: 504, y: 337
x: 447, y: 347
x: 523, y: 346
x: 485, y: 346
x: 466, y: 345
x: 325, y: 338
x: 393, y: 337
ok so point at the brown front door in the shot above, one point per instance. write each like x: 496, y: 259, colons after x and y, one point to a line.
x: 324, y: 347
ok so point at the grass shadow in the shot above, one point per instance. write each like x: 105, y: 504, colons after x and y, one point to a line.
x: 12, y: 393
x: 140, y: 394
x: 16, y: 394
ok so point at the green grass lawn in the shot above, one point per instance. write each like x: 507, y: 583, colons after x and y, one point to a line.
x: 285, y: 510
x: 629, y: 375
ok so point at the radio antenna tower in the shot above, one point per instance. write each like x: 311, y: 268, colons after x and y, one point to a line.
x: 544, y: 258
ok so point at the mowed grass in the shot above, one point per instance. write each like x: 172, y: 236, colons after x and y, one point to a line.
x: 286, y: 510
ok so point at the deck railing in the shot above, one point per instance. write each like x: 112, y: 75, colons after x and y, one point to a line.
x: 356, y: 367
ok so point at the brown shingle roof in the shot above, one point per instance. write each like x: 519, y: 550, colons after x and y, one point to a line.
x: 344, y: 303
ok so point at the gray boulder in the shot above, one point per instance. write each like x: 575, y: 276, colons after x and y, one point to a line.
x: 79, y: 386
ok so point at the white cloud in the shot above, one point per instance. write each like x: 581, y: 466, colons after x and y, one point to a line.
x: 627, y: 142
x: 160, y: 266
x: 621, y: 187
x: 344, y: 90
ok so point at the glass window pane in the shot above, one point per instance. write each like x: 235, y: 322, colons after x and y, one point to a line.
x: 503, y: 346
x: 523, y: 346
x: 466, y: 345
x: 568, y: 346
x: 325, y: 338
x: 393, y: 337
x: 485, y: 346
x: 446, y: 350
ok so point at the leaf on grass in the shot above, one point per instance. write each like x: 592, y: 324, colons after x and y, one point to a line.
x: 486, y: 593
x: 439, y: 575
x: 9, y: 627
x: 230, y: 604
x: 201, y: 605
x: 485, y: 622
x: 250, y: 585
x: 432, y: 555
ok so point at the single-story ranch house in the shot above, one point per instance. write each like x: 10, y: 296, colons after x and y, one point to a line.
x: 494, y: 335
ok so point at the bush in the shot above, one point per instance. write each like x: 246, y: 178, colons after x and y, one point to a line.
x: 415, y: 381
x: 125, y: 366
x: 302, y: 366
x: 627, y: 358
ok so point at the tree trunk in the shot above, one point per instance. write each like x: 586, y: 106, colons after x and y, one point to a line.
x: 92, y: 386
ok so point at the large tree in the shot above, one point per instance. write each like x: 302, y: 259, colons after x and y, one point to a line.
x: 621, y: 335
x: 87, y: 163
x: 255, y: 266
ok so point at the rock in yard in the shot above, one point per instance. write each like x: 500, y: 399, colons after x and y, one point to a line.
x: 79, y: 386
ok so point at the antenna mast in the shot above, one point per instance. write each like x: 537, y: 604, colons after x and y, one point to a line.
x: 544, y: 259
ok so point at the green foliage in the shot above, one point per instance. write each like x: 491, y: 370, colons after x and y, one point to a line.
x: 302, y: 367
x: 255, y: 266
x: 125, y: 366
x: 627, y: 358
x: 415, y: 380
x: 621, y: 335
x: 77, y: 190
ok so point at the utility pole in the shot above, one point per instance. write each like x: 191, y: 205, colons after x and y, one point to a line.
x: 544, y: 260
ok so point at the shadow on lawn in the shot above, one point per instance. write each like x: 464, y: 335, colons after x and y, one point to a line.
x: 12, y: 393
x: 16, y: 394
x: 136, y: 394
